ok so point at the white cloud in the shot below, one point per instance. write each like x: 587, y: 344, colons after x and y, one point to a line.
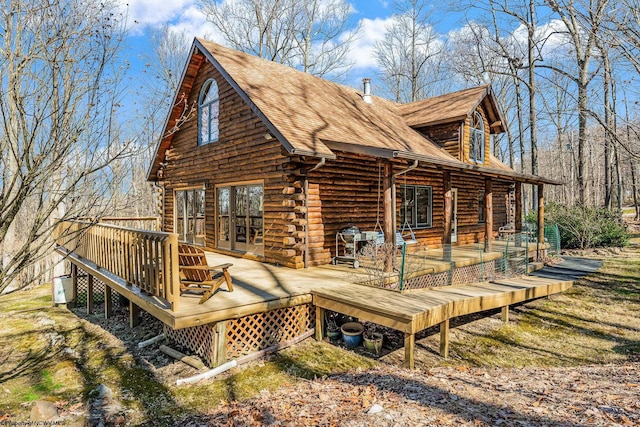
x: 149, y: 13
x: 362, y: 50
x: 194, y: 24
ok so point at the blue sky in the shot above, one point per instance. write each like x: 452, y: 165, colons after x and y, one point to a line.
x: 183, y: 15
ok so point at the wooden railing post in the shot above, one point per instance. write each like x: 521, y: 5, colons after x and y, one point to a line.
x: 173, y: 270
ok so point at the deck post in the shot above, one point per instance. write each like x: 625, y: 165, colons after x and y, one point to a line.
x: 74, y: 283
x: 108, y: 302
x: 389, y: 213
x: 319, y: 323
x: 89, y: 293
x: 540, y: 245
x: 488, y: 214
x: 134, y: 315
x: 220, y: 343
x: 448, y: 214
x: 409, y: 349
x: 505, y: 314
x: 444, y: 338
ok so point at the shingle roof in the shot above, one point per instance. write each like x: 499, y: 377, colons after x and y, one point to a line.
x: 310, y: 115
x: 449, y: 107
x: 309, y: 111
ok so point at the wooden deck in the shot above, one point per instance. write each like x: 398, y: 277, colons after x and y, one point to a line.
x: 412, y: 313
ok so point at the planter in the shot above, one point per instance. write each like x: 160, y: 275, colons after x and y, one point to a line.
x: 333, y: 334
x: 373, y: 342
x: 352, y: 333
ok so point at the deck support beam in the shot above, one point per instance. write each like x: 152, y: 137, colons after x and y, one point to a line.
x: 409, y: 350
x: 74, y: 283
x: 134, y: 314
x: 89, y: 294
x: 448, y: 215
x: 108, y: 302
x: 505, y: 314
x: 320, y: 313
x: 488, y: 214
x: 540, y: 245
x: 444, y: 339
x: 220, y: 343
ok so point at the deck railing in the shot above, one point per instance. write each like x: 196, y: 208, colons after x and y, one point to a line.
x: 145, y: 259
x: 153, y: 223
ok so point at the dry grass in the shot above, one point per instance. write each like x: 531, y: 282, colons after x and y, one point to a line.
x: 49, y: 353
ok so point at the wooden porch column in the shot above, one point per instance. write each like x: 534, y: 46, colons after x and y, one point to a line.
x: 488, y: 214
x: 540, y: 221
x: 518, y: 216
x: 448, y: 215
x: 89, y: 293
x: 389, y: 212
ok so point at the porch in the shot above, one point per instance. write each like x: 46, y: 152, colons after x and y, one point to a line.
x: 269, y: 303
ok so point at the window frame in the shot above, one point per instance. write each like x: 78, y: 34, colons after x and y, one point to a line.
x: 414, y: 224
x: 481, y: 212
x: 477, y: 135
x: 204, y: 92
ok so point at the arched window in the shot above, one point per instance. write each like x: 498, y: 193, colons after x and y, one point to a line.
x: 476, y: 138
x: 209, y: 107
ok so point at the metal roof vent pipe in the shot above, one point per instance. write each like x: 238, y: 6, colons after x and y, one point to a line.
x: 366, y: 82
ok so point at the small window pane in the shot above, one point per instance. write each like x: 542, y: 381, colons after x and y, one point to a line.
x: 423, y: 203
x: 209, y: 107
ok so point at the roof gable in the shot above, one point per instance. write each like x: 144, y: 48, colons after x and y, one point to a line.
x: 452, y: 107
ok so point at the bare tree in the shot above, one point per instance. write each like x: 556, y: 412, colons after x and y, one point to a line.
x: 583, y: 24
x: 309, y: 34
x: 58, y: 136
x: 409, y: 53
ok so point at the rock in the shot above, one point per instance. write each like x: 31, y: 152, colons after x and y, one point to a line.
x: 43, y: 411
x: 103, y: 392
x: 375, y: 409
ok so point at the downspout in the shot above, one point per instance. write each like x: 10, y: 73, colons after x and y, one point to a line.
x: 393, y: 193
x: 306, y: 204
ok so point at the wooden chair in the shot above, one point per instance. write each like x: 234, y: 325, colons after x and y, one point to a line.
x: 196, y: 276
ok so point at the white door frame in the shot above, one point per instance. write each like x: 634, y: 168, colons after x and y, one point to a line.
x: 454, y: 214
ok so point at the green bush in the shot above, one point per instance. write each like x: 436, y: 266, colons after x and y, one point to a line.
x: 584, y: 227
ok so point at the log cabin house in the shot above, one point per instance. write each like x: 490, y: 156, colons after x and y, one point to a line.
x: 273, y: 162
x: 265, y: 163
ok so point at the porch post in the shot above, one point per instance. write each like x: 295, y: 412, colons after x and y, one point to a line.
x: 540, y: 221
x: 488, y: 214
x: 517, y: 224
x: 448, y: 214
x: 389, y: 212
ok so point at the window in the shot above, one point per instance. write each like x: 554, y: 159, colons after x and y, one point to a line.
x: 415, y: 206
x: 476, y: 139
x: 189, y: 210
x: 481, y: 217
x: 209, y: 108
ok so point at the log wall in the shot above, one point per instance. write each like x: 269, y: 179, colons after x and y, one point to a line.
x: 241, y: 154
x: 447, y: 136
x: 345, y: 191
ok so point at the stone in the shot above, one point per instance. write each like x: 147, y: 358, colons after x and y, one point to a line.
x: 43, y: 411
x: 374, y: 409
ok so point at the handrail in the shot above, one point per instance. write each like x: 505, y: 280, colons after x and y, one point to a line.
x: 145, y: 259
x: 139, y: 222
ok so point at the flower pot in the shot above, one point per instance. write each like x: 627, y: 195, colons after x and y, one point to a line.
x: 352, y: 333
x: 373, y: 342
x: 334, y: 334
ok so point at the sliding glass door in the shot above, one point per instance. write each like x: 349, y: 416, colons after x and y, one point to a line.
x: 240, y: 218
x: 189, y: 215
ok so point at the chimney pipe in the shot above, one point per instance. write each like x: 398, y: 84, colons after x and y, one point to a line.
x: 367, y: 90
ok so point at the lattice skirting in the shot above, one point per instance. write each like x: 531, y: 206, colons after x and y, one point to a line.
x: 98, y: 289
x: 456, y: 276
x: 200, y: 340
x: 245, y: 335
